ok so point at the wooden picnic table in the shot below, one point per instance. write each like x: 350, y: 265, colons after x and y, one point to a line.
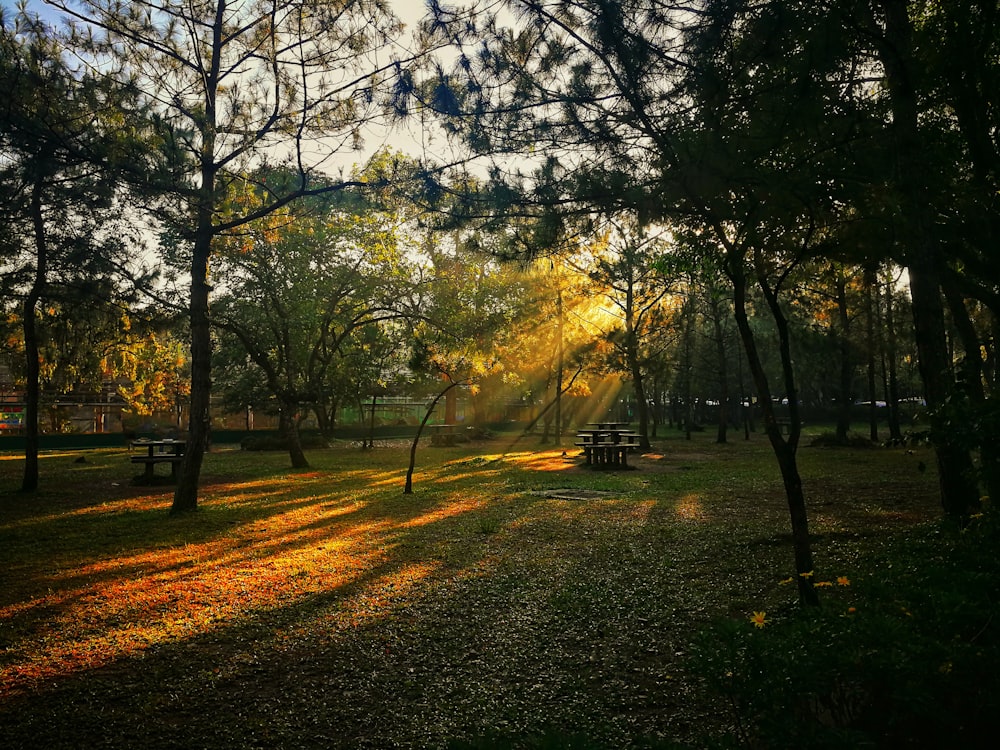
x: 607, y: 444
x: 443, y: 435
x: 158, y: 451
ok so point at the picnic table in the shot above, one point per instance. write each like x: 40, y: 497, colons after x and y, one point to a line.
x: 443, y: 435
x: 606, y: 444
x: 158, y: 451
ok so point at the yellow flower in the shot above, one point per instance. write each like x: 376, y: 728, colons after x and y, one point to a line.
x: 806, y: 575
x: 851, y: 610
x: 822, y: 584
x: 759, y: 619
x: 786, y: 581
x: 843, y: 581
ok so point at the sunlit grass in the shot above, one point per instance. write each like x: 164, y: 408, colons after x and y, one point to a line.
x: 96, y: 573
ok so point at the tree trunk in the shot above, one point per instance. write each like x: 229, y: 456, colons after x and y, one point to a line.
x: 186, y: 491
x: 972, y: 386
x: 871, y: 284
x: 687, y: 366
x: 408, y: 488
x: 32, y: 391
x: 638, y: 384
x: 559, y: 367
x: 369, y: 442
x: 294, y: 437
x: 324, y: 418
x: 959, y: 492
x: 892, y: 394
x: 844, y: 403
x: 654, y: 415
x: 723, y: 366
x: 784, y: 450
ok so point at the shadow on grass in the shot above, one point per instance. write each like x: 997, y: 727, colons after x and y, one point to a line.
x: 324, y: 608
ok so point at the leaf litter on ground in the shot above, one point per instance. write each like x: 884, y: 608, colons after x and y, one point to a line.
x: 509, y: 596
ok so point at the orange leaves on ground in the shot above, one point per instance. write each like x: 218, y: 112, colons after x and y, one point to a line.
x: 553, y: 460
x: 690, y: 508
x: 88, y: 615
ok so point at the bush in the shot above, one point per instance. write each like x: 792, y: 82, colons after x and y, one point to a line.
x: 909, y: 655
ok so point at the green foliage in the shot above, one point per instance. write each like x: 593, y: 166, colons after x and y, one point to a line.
x: 908, y: 656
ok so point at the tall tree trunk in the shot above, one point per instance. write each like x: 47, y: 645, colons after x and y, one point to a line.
x: 293, y: 435
x: 546, y: 414
x: 784, y: 450
x: 324, y: 412
x: 892, y: 394
x: 959, y: 492
x: 972, y: 385
x: 845, y: 402
x: 32, y: 395
x: 871, y: 285
x: 641, y: 405
x: 723, y: 366
x: 635, y: 370
x: 369, y: 442
x: 408, y: 487
x: 186, y: 491
x: 559, y: 366
x: 687, y: 366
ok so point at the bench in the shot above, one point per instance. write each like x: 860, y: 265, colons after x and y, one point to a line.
x: 607, y: 445
x: 606, y: 453
x: 151, y: 461
x: 443, y: 435
x: 166, y: 451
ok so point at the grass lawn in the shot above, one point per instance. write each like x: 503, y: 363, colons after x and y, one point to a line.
x: 513, y: 594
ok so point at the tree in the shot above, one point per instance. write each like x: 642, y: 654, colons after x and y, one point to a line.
x: 60, y: 138
x: 922, y: 252
x: 470, y: 314
x: 236, y: 85
x: 705, y: 118
x: 150, y: 369
x: 299, y: 288
x: 629, y: 271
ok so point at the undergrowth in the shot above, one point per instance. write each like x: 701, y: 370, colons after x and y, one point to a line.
x: 907, y: 655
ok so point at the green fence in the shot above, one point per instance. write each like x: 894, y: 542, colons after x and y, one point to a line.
x: 83, y: 441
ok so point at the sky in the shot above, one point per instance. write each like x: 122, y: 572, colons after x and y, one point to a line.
x: 412, y: 137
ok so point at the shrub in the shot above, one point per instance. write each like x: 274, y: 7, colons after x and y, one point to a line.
x: 909, y: 655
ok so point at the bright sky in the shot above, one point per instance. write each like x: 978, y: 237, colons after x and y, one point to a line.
x: 412, y: 137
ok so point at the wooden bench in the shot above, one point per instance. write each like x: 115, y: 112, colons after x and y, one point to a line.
x: 443, y: 435
x: 605, y: 454
x: 158, y: 452
x: 152, y: 461
x: 608, y: 453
